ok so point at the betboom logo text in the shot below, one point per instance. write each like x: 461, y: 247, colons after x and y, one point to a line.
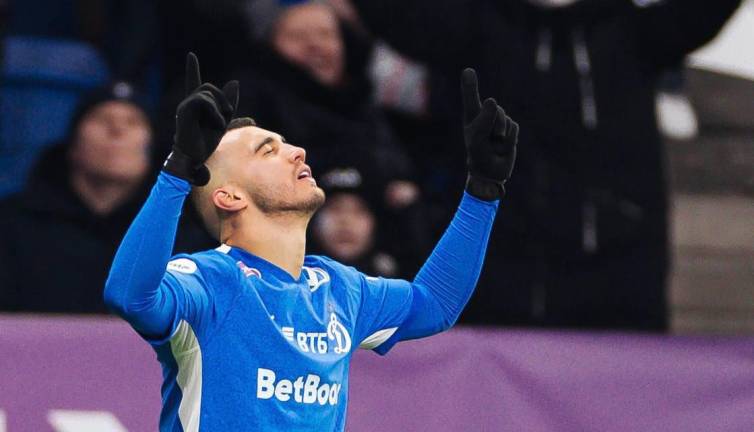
x: 307, y: 390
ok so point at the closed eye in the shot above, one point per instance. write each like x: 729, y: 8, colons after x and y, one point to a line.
x: 265, y: 143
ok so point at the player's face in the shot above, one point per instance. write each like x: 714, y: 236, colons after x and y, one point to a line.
x: 112, y: 142
x: 274, y: 172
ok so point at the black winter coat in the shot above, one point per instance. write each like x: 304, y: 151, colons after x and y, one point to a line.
x: 55, y: 253
x: 581, y: 238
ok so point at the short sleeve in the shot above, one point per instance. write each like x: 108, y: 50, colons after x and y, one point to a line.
x: 186, y: 286
x: 385, y: 303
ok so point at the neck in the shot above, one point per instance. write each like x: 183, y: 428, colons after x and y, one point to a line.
x: 102, y: 196
x: 279, y: 239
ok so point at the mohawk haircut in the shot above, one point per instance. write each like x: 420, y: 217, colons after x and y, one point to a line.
x: 240, y: 122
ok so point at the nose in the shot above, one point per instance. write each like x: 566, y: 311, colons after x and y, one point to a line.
x: 314, y: 47
x: 117, y: 126
x: 298, y: 154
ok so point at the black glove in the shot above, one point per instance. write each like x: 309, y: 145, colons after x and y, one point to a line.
x: 200, y: 123
x: 490, y: 137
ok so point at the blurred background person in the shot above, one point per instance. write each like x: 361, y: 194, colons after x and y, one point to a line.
x: 63, y: 228
x: 347, y: 228
x: 586, y: 244
x: 59, y: 235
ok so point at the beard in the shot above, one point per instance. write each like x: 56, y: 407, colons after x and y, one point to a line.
x: 277, y: 202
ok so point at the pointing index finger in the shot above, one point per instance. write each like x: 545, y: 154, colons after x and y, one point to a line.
x: 470, y: 95
x: 193, y: 76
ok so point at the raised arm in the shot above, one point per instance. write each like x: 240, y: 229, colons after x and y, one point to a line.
x: 135, y: 287
x: 445, y: 283
x: 672, y: 29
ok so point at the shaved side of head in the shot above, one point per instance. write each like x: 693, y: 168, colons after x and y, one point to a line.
x: 219, y: 164
x: 210, y: 215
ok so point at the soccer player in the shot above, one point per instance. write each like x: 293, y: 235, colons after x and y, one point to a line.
x: 254, y: 335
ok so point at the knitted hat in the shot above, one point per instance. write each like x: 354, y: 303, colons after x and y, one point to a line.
x: 119, y: 91
x: 350, y: 180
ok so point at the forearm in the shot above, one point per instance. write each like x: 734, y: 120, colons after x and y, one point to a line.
x: 133, y: 286
x: 448, y: 278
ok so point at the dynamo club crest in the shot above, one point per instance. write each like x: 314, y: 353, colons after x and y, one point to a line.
x: 337, y: 332
x: 316, y: 277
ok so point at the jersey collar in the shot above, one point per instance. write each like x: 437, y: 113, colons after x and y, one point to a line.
x: 265, y: 268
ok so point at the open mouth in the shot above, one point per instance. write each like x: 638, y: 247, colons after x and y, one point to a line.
x: 306, y: 174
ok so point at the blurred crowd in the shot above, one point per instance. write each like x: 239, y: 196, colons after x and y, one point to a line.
x: 370, y: 89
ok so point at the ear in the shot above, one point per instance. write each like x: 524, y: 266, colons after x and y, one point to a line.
x: 229, y: 198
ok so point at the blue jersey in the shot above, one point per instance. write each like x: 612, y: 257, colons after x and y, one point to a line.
x: 252, y: 348
x: 247, y: 347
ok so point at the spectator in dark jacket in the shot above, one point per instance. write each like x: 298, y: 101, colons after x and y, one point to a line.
x: 584, y: 240
x: 347, y: 227
x: 59, y: 235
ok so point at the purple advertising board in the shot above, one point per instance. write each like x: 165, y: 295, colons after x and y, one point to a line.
x: 87, y: 374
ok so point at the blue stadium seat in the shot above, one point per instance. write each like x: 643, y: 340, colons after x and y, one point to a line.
x: 41, y: 81
x: 14, y: 169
